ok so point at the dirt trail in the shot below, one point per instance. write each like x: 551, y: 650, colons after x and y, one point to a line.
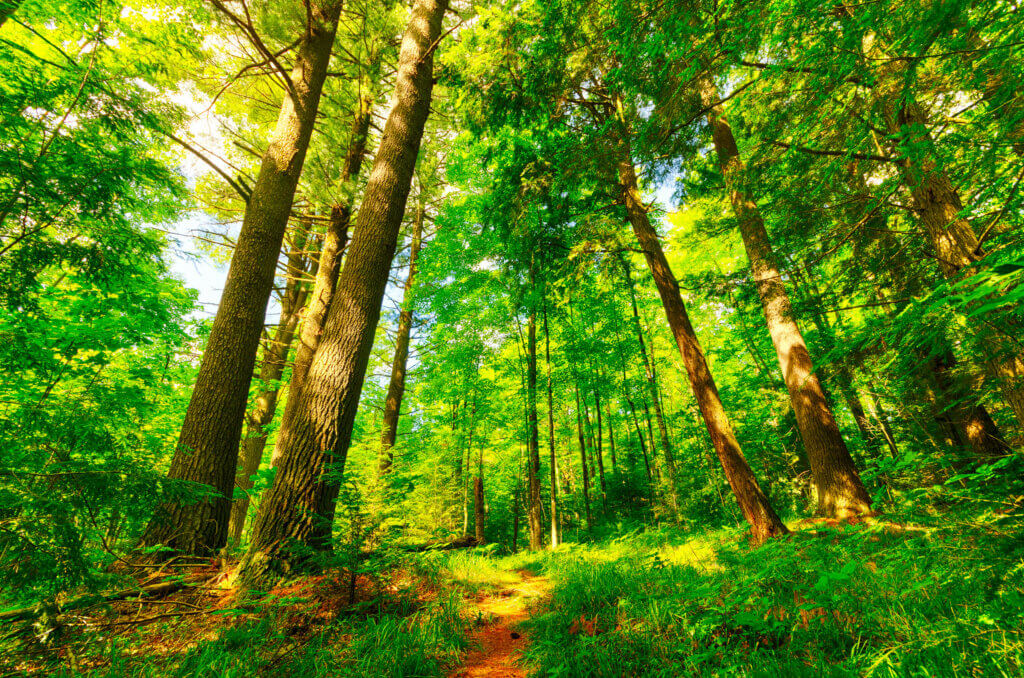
x: 498, y: 643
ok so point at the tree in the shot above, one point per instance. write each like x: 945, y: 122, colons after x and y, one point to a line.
x: 207, y: 452
x: 298, y: 507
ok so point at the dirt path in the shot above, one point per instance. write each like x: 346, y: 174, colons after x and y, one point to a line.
x: 498, y: 643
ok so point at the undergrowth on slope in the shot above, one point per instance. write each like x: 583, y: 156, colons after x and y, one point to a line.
x: 882, y: 600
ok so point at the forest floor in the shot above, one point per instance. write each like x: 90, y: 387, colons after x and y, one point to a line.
x: 499, y: 639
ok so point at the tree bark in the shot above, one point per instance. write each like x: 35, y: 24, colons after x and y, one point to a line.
x: 841, y: 493
x: 955, y: 245
x: 556, y: 536
x: 764, y: 522
x: 275, y: 357
x: 533, y: 440
x: 207, y: 450
x: 335, y: 241
x: 299, y: 506
x: 396, y: 387
x: 583, y: 460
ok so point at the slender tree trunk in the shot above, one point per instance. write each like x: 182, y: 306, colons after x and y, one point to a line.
x: 611, y: 438
x: 840, y: 490
x: 652, y: 384
x: 533, y: 450
x: 556, y: 536
x: 583, y: 459
x: 600, y: 433
x: 640, y: 435
x: 883, y: 422
x: 299, y: 506
x: 275, y: 357
x: 207, y: 450
x: 396, y: 388
x: 335, y: 241
x: 764, y: 522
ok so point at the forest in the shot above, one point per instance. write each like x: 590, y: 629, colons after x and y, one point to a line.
x: 513, y: 338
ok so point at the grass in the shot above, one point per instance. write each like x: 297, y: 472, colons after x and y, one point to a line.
x: 852, y: 601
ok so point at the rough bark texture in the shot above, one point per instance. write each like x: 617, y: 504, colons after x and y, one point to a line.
x: 533, y: 441
x: 938, y: 207
x: 764, y: 522
x: 275, y: 357
x: 478, y: 507
x: 207, y: 450
x: 972, y: 425
x: 335, y: 241
x: 841, y: 493
x: 298, y: 508
x: 396, y: 387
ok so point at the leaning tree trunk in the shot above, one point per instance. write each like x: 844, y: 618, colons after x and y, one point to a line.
x: 840, y: 490
x: 275, y: 357
x: 764, y: 522
x: 335, y: 241
x: 299, y: 508
x: 533, y: 471
x: 207, y: 450
x: 396, y: 387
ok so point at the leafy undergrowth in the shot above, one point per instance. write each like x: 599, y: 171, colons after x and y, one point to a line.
x: 866, y: 600
x: 390, y: 624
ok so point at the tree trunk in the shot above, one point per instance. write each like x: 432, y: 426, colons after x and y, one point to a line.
x: 533, y: 441
x: 600, y: 434
x: 335, y: 241
x: 652, y: 384
x: 841, y: 493
x: 583, y: 460
x: 611, y: 438
x: 275, y: 357
x: 396, y: 388
x: 764, y: 522
x: 556, y: 536
x: 938, y: 207
x: 299, y: 507
x: 207, y: 450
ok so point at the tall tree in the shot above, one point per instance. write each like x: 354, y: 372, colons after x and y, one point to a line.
x: 207, y: 451
x: 299, y: 507
x: 329, y: 262
x: 841, y: 493
x: 764, y: 522
x: 275, y: 358
x: 396, y: 387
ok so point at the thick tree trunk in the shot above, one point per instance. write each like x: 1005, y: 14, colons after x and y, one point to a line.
x: 533, y: 441
x: 335, y: 241
x: 396, y: 387
x: 299, y: 507
x: 207, y: 450
x: 275, y: 357
x: 938, y: 207
x: 583, y: 460
x: 841, y: 493
x: 556, y: 535
x: 764, y: 522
